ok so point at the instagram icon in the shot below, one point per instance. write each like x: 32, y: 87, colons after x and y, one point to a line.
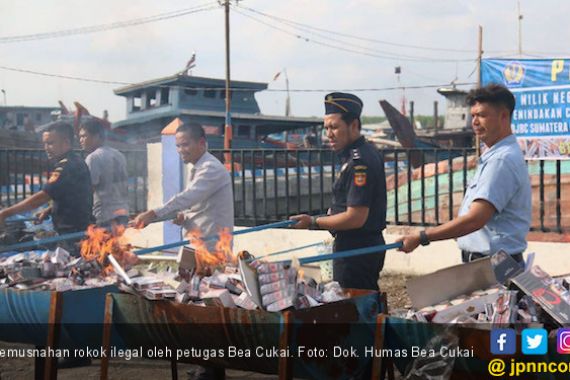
x: 563, y: 341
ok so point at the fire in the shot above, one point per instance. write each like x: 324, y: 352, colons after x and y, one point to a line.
x: 100, y: 243
x: 220, y: 254
x: 224, y: 245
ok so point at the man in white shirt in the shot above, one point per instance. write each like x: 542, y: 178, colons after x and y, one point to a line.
x: 207, y: 203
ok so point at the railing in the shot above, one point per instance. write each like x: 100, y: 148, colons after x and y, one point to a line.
x: 270, y: 185
x: 24, y: 171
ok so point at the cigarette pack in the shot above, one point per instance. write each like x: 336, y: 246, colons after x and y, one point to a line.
x: 245, y: 302
x: 271, y: 268
x: 279, y: 295
x: 273, y: 287
x: 281, y: 304
x: 288, y: 274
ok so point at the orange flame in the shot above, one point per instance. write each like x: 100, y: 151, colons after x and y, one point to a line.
x: 100, y: 243
x: 221, y: 254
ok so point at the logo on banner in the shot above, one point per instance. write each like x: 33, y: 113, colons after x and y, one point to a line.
x: 514, y: 73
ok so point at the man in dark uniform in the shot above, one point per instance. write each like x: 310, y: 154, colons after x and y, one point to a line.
x: 358, y: 213
x: 68, y: 187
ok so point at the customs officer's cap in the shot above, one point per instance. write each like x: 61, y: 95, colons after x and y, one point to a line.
x: 341, y: 102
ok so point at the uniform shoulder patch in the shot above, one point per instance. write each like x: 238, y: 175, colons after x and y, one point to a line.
x: 360, y: 175
x: 54, y: 176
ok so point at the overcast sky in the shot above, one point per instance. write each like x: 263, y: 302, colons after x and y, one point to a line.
x: 262, y: 48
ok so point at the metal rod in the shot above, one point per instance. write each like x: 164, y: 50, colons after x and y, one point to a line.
x: 348, y: 253
x: 292, y: 249
x: 36, y: 243
x: 285, y: 223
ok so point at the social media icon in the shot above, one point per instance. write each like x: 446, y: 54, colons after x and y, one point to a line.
x: 535, y: 342
x: 504, y: 341
x: 563, y: 341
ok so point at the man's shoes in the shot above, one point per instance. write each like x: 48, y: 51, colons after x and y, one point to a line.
x: 73, y: 362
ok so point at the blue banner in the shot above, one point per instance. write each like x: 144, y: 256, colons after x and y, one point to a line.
x: 542, y: 91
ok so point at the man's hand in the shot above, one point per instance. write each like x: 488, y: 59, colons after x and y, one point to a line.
x: 410, y: 242
x: 179, y: 220
x: 303, y: 221
x: 42, y: 215
x: 144, y: 219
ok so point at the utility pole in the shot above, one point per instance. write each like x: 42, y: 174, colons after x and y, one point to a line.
x: 228, y: 123
x: 288, y: 100
x: 479, y: 59
x: 4, y: 94
x: 520, y: 17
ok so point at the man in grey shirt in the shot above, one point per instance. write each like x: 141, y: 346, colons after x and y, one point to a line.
x: 206, y: 205
x: 496, y: 210
x: 108, y: 168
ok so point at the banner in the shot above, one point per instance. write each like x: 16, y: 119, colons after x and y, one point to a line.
x: 542, y: 113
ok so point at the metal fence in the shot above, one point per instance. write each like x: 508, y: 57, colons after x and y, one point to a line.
x: 24, y: 171
x: 271, y: 185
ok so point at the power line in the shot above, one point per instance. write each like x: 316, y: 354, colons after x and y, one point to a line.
x: 110, y: 26
x: 362, y: 51
x: 234, y: 89
x: 346, y: 35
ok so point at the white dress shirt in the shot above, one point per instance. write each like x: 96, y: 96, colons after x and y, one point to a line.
x: 207, y: 201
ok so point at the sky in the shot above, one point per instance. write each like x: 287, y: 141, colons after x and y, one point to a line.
x: 323, y: 45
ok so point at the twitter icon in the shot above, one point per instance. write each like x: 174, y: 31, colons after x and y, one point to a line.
x: 534, y: 342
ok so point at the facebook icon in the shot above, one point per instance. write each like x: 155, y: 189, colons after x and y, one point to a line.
x: 503, y: 341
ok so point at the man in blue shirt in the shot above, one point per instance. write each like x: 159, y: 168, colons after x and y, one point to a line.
x: 496, y: 210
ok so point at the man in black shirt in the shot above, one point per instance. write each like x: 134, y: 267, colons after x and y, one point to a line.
x: 358, y: 212
x: 68, y: 187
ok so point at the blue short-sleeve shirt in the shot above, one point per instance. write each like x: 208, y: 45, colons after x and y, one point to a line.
x: 501, y: 179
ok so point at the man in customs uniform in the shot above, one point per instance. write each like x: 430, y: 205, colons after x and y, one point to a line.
x: 358, y: 212
x: 495, y: 213
x: 68, y: 188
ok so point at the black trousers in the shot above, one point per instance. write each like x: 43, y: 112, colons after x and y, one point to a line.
x: 359, y: 272
x: 467, y: 256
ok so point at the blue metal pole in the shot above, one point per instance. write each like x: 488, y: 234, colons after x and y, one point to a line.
x: 345, y: 254
x: 285, y: 223
x: 37, y: 243
x: 292, y: 249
